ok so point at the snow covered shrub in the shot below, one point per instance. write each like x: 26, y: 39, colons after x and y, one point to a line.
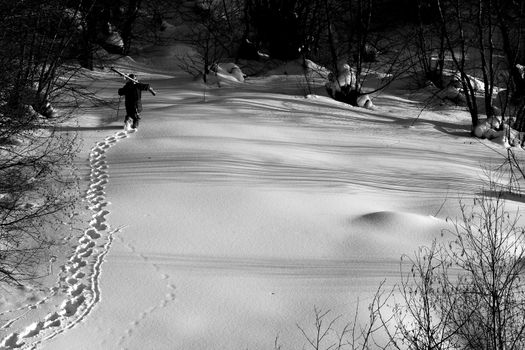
x: 227, y: 72
x: 345, y: 88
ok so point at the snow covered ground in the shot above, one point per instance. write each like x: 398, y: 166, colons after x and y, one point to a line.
x: 234, y: 211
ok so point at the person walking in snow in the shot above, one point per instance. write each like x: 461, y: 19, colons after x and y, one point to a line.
x: 132, y: 92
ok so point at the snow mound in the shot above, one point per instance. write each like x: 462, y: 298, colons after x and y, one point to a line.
x: 394, y: 221
x: 365, y: 101
x: 390, y: 234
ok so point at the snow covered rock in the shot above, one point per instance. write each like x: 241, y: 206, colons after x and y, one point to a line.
x: 493, y: 129
x: 507, y: 137
x: 365, y: 101
x: 486, y: 127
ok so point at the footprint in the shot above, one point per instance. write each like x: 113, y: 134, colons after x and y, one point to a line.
x: 102, y: 182
x: 72, y: 280
x: 70, y: 307
x: 101, y: 213
x: 99, y: 164
x: 86, y: 254
x: 77, y: 289
x: 89, y: 245
x: 81, y: 249
x: 93, y: 233
x: 32, y: 330
x: 97, y: 161
x: 100, y: 226
x: 52, y: 320
x: 50, y: 324
x: 75, y: 259
x: 10, y: 342
x: 95, y: 194
x: 98, y: 199
x: 51, y: 317
x: 85, y: 240
x: 98, y: 206
x: 79, y: 265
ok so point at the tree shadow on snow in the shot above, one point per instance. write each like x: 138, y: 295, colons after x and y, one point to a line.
x: 89, y: 128
x: 506, y: 195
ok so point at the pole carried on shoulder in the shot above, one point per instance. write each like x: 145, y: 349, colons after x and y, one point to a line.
x: 131, y: 79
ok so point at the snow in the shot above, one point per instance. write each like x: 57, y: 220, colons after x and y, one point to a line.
x: 227, y: 72
x: 233, y: 211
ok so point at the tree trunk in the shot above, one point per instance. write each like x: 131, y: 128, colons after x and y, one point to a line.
x: 127, y: 26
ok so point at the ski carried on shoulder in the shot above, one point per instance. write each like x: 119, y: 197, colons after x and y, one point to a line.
x: 125, y: 76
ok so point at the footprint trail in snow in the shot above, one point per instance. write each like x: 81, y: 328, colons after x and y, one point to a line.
x: 78, y: 280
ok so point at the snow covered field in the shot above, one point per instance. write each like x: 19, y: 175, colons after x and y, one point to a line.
x: 234, y: 211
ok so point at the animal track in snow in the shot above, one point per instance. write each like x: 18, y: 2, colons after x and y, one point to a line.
x: 169, y: 297
x: 79, y: 276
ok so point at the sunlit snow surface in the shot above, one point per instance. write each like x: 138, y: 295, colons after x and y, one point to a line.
x: 234, y: 211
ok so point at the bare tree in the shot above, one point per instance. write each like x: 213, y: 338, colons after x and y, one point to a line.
x: 477, y: 33
x: 423, y: 317
x: 329, y: 332
x: 37, y: 184
x: 429, y: 43
x: 469, y: 293
x: 488, y: 249
x: 215, y: 30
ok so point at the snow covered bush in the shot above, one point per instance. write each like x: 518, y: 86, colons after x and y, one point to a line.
x: 226, y: 72
x: 345, y: 88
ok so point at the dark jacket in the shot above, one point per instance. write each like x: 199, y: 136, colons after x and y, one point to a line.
x: 133, y: 95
